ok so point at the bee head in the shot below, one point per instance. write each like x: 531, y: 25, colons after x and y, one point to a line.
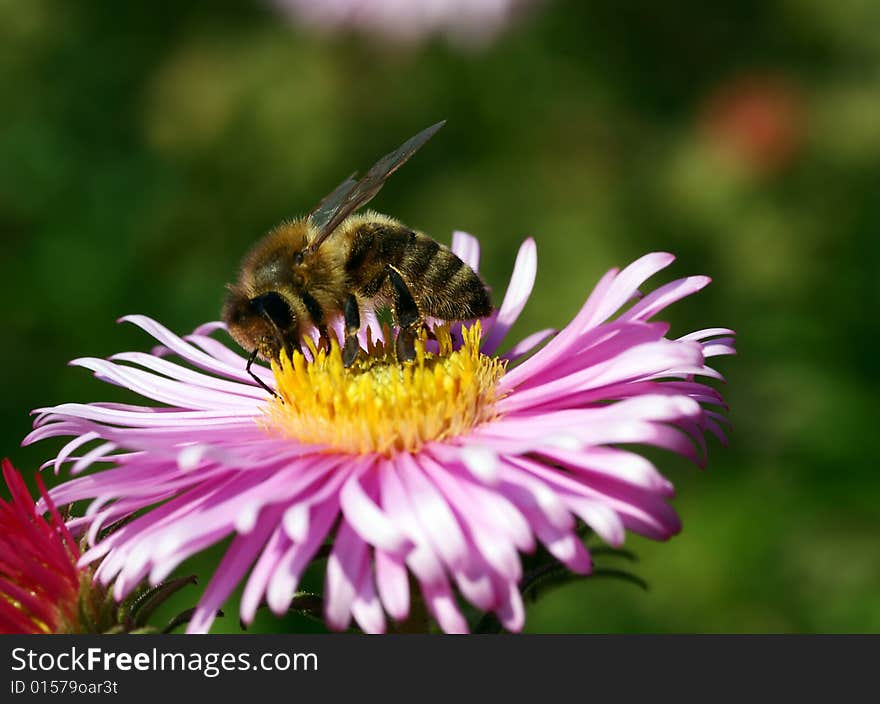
x: 264, y: 323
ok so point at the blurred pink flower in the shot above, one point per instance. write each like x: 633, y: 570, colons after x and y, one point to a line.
x: 471, y: 22
x: 446, y: 469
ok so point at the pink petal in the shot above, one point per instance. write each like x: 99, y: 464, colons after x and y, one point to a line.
x: 627, y: 282
x: 422, y: 559
x: 665, y: 296
x: 511, y: 612
x: 442, y: 606
x: 369, y: 520
x: 344, y: 568
x: 392, y: 581
x: 289, y: 568
x: 527, y: 344
x: 467, y: 248
x: 518, y: 291
x: 366, y: 607
x: 433, y: 513
x: 238, y: 558
x: 255, y: 588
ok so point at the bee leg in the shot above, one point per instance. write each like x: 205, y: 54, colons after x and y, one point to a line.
x: 291, y: 345
x: 323, y: 338
x: 254, y: 375
x: 405, y: 345
x: 352, y: 326
x: 316, y: 313
x: 408, y: 317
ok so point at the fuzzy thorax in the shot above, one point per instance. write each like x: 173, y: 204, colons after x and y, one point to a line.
x: 379, y: 405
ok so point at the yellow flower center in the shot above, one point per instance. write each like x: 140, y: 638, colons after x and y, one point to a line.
x: 379, y: 405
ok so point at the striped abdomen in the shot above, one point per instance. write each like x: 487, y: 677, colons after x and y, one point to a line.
x: 442, y: 285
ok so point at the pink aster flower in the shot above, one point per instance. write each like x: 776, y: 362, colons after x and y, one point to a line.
x: 445, y: 469
x: 465, y: 21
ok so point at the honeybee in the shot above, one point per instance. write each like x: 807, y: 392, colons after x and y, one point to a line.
x: 336, y: 261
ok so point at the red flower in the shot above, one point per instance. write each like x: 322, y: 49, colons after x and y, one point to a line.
x: 39, y: 579
x: 758, y: 120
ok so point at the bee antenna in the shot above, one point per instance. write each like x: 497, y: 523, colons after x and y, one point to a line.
x: 254, y: 375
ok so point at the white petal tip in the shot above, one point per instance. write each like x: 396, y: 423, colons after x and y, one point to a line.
x: 278, y: 597
x: 481, y: 461
x: 246, y: 519
x: 190, y: 457
x: 296, y: 522
x: 564, y: 442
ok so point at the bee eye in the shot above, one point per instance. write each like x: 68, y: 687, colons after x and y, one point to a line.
x: 274, y: 307
x: 298, y: 258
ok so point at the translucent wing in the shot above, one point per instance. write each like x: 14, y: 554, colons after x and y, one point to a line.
x: 323, y: 212
x: 351, y: 195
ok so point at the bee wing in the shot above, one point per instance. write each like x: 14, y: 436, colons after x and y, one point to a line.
x: 351, y: 195
x: 323, y: 212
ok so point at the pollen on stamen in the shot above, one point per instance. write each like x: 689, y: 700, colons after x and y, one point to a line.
x: 379, y: 405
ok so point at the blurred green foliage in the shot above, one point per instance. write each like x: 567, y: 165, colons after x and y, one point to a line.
x: 144, y: 146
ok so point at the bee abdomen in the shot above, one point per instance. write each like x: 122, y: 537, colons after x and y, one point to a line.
x: 442, y: 285
x: 420, y: 258
x: 446, y: 287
